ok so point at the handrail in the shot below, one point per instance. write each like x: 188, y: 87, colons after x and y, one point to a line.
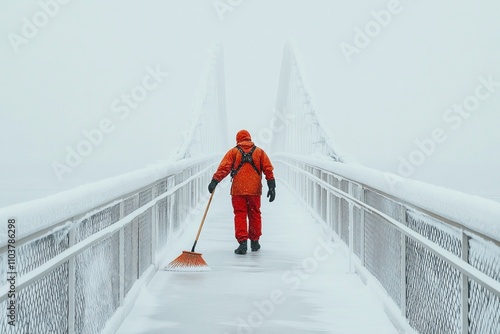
x: 471, y: 272
x: 413, y: 206
x: 71, y: 252
x: 30, y: 212
x: 418, y: 241
x: 88, y: 249
x: 402, y: 247
x: 326, y: 166
x: 123, y: 242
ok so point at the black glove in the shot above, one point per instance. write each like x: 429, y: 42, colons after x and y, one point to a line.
x: 271, y: 193
x: 212, y: 185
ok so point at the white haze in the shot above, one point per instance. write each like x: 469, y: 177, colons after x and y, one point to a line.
x: 393, y: 93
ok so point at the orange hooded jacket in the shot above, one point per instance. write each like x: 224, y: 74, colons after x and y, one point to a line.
x: 246, y: 181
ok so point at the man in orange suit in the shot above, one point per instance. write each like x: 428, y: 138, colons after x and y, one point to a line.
x: 246, y: 163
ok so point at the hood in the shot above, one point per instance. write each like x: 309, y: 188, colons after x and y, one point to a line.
x: 244, y: 139
x: 243, y: 135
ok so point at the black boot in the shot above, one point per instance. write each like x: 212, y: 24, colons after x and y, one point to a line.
x: 254, y: 244
x: 242, y: 248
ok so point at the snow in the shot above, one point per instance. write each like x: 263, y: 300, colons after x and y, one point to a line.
x: 473, y: 212
x: 37, y: 215
x: 299, y: 282
x: 299, y: 69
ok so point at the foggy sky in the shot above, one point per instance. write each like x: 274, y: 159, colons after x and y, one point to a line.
x: 393, y: 94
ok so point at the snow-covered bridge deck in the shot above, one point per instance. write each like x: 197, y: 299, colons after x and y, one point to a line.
x: 82, y: 255
x: 299, y: 282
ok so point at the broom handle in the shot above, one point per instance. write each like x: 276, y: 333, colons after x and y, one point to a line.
x: 203, y: 220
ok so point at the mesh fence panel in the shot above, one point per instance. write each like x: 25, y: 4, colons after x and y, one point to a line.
x: 130, y: 204
x: 344, y: 221
x: 324, y: 202
x: 163, y: 232
x: 336, y: 207
x: 97, y: 285
x: 310, y: 189
x: 42, y: 307
x: 96, y: 273
x: 431, y: 289
x: 97, y: 222
x: 383, y: 254
x: 357, y: 192
x: 344, y: 210
x: 145, y: 251
x: 174, y: 211
x: 344, y: 186
x: 385, y: 205
x: 433, y: 286
x: 35, y: 253
x: 43, y: 304
x: 178, y: 210
x: 333, y: 222
x: 317, y: 192
x: 161, y: 186
x: 484, y: 314
x: 131, y: 236
x: 145, y: 196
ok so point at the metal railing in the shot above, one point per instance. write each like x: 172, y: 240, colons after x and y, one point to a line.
x: 74, y: 278
x: 79, y: 268
x: 443, y: 276
x: 301, y: 131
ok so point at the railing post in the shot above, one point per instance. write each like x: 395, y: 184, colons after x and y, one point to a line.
x: 121, y: 256
x: 170, y: 206
x: 351, y: 230
x: 135, y: 241
x: 328, y: 203
x: 154, y: 224
x: 339, y: 212
x: 362, y: 229
x: 71, y: 283
x: 403, y: 264
x: 339, y: 217
x: 465, y: 285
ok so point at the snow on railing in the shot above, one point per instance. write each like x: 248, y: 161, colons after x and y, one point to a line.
x: 77, y: 259
x: 73, y: 276
x: 301, y: 130
x: 208, y: 127
x: 436, y: 252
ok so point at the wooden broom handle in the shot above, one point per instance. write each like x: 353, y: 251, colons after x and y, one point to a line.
x: 203, y: 220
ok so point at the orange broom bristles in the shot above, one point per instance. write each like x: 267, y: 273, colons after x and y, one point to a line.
x: 188, y: 261
x: 191, y: 261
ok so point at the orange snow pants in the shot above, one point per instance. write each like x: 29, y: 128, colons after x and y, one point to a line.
x: 247, y: 206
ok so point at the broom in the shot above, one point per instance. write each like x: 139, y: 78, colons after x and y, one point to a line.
x: 191, y: 261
